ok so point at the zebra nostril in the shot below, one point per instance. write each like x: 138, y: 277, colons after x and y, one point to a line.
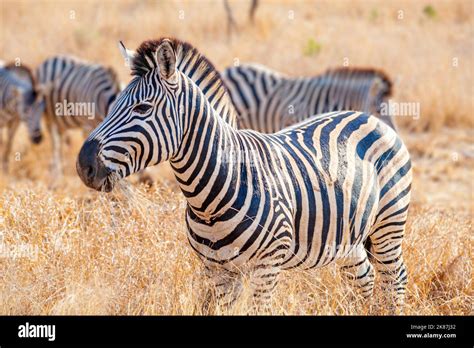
x: 37, y: 139
x: 90, y: 172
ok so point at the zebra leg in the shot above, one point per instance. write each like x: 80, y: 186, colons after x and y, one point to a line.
x: 359, y: 271
x: 263, y: 281
x: 225, y: 288
x: 11, y: 130
x: 267, y: 267
x: 56, y: 167
x: 386, y: 249
x: 264, y: 276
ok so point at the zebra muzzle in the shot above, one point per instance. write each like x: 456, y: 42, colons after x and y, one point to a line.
x: 91, y: 169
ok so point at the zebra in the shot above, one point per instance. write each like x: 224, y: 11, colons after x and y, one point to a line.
x: 18, y: 96
x: 268, y: 101
x: 336, y: 188
x: 77, y: 95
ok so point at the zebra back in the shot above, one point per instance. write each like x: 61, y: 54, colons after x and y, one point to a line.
x: 268, y: 101
x: 365, y: 90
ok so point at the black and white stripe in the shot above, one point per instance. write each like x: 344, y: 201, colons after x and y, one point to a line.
x: 18, y: 96
x: 333, y: 189
x: 89, y: 88
x: 268, y: 101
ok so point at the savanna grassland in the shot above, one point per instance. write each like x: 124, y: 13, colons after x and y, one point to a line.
x: 68, y: 250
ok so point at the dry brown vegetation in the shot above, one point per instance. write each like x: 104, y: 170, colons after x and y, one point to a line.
x: 127, y: 253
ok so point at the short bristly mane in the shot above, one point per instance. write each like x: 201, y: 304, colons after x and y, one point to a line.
x: 362, y: 72
x: 193, y: 64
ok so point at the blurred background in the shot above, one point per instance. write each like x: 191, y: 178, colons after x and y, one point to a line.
x: 426, y: 47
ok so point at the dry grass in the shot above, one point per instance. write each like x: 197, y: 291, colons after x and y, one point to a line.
x: 93, y: 254
x: 128, y: 253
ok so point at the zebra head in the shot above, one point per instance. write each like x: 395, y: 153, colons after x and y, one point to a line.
x: 32, y: 109
x: 143, y: 126
x: 27, y: 101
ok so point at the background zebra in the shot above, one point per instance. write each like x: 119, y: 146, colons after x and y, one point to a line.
x: 18, y: 94
x: 268, y: 101
x: 77, y: 95
x: 258, y: 203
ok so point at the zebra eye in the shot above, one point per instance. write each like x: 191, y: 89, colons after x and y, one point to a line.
x: 142, y: 108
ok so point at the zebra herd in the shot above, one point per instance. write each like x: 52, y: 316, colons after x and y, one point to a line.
x: 294, y: 190
x: 58, y: 80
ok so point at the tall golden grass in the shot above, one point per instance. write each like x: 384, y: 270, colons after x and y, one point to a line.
x: 127, y: 253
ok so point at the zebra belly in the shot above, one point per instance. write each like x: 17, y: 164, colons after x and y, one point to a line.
x: 236, y: 244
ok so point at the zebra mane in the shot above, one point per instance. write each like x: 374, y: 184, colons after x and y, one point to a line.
x: 188, y: 60
x: 362, y: 73
x: 193, y: 64
x: 145, y: 58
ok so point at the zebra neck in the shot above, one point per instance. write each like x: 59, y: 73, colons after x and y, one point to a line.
x: 207, y: 166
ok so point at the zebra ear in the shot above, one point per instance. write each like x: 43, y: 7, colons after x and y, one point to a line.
x: 166, y: 58
x: 127, y: 54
